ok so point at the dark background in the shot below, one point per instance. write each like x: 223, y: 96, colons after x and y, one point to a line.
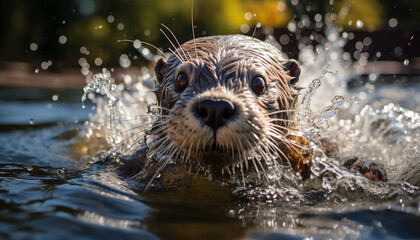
x: 86, y: 23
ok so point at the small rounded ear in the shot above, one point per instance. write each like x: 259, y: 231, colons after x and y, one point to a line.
x: 292, y: 68
x: 160, y: 69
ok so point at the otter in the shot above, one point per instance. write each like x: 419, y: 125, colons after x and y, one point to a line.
x: 224, y: 101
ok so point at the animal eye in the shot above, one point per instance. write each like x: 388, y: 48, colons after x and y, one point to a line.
x: 181, y: 82
x: 258, y: 85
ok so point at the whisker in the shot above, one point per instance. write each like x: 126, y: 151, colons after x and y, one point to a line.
x: 278, y: 127
x: 148, y: 44
x: 286, y: 140
x: 157, y: 130
x: 262, y: 155
x: 256, y: 168
x: 177, y: 56
x: 270, y: 119
x: 258, y: 161
x: 240, y: 147
x: 138, y: 127
x: 198, y: 169
x: 286, y: 111
x: 176, y: 40
x: 192, y: 26
x: 124, y: 141
x: 125, y: 120
x: 176, y: 49
x: 156, y: 145
x: 232, y: 150
x: 148, y: 105
x: 255, y: 29
x: 242, y: 173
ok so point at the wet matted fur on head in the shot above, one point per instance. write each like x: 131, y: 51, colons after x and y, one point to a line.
x: 224, y: 101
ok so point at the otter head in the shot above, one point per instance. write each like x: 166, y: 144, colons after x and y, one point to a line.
x: 225, y: 99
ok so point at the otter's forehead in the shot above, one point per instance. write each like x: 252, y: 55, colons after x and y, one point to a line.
x: 223, y: 48
x: 227, y: 60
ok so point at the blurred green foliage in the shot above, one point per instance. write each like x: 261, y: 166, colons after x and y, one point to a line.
x: 98, y: 25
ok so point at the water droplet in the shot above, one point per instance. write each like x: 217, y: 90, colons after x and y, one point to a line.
x: 359, y: 45
x: 98, y: 61
x: 83, y: 50
x: 145, y: 52
x: 393, y: 22
x: 120, y: 26
x: 354, y: 99
x: 44, y: 65
x: 318, y: 17
x: 110, y: 19
x: 137, y: 43
x: 398, y: 51
x: 125, y: 61
x: 244, y: 28
x: 62, y: 39
x: 373, y: 77
x: 248, y: 16
x: 83, y: 62
x: 291, y: 26
x: 406, y: 62
x: 61, y: 172
x: 31, y: 121
x: 367, y: 41
x: 127, y: 79
x: 147, y: 32
x: 33, y: 46
x: 37, y: 70
x: 359, y: 24
x: 284, y: 39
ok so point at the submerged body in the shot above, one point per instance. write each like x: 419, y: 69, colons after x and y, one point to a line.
x: 226, y: 103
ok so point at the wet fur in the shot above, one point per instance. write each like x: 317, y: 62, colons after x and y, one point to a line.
x: 261, y: 134
x: 221, y: 67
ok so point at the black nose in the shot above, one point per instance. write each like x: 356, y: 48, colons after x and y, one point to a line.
x: 215, y: 112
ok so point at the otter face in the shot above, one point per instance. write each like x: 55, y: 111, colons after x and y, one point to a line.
x: 226, y: 98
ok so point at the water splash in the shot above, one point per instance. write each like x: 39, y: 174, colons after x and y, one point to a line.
x: 332, y: 110
x: 125, y: 112
x: 103, y: 84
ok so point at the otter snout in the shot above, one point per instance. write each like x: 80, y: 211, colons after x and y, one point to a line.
x: 215, y: 113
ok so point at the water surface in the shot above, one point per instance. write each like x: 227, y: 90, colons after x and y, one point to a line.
x: 47, y: 191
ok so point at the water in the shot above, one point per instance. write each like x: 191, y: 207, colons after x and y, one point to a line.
x: 58, y: 181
